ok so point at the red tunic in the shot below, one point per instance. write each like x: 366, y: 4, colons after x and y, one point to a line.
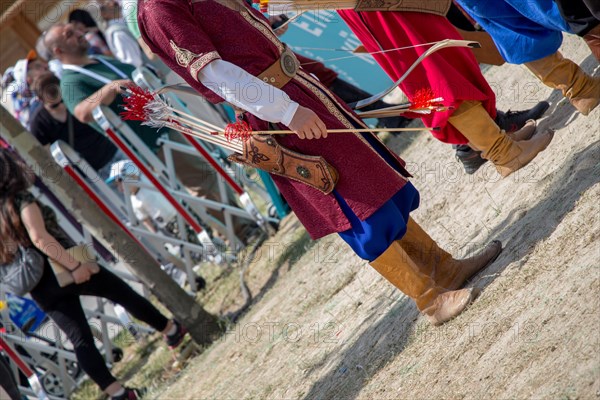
x: 451, y: 73
x: 187, y: 36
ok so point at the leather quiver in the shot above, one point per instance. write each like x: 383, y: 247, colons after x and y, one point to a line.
x: 264, y: 152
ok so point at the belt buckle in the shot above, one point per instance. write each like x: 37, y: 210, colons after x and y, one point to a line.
x: 289, y: 63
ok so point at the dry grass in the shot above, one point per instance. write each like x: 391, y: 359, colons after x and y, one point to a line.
x: 323, y: 325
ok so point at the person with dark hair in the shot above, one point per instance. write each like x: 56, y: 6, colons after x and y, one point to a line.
x: 83, y: 20
x: 25, y: 222
x: 53, y: 122
x: 88, y: 82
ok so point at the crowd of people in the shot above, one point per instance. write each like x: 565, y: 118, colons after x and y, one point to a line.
x: 367, y: 198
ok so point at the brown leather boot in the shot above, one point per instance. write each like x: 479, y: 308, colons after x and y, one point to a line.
x: 525, y: 133
x: 449, y: 304
x: 582, y: 90
x: 445, y: 270
x: 474, y: 122
x: 437, y: 303
x: 528, y: 150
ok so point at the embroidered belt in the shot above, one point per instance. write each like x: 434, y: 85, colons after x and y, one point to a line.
x: 282, y: 70
x: 263, y: 152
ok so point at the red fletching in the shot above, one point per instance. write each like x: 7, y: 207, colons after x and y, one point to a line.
x: 424, y: 98
x: 183, y: 129
x: 134, y: 102
x: 238, y: 130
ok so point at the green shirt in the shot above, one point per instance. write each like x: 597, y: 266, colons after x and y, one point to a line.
x: 76, y: 87
x: 130, y: 15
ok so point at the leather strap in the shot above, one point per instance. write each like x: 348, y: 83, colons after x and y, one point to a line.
x: 282, y: 70
x: 264, y: 152
x: 488, y: 52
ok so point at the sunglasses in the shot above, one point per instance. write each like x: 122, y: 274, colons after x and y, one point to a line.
x: 55, y: 105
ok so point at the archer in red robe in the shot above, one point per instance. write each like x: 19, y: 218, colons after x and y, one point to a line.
x: 452, y: 73
x: 371, y: 202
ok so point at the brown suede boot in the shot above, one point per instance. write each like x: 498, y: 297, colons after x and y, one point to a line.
x: 582, y: 90
x: 592, y: 38
x: 437, y: 303
x: 474, y: 122
x: 445, y: 270
x: 448, y: 305
x: 525, y: 133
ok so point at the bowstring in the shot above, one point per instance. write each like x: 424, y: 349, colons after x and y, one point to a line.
x: 355, y: 55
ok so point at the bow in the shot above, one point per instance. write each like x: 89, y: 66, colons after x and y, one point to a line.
x: 446, y: 43
x: 438, y: 46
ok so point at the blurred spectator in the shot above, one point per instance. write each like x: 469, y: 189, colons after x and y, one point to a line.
x: 24, y: 72
x: 129, y: 13
x: 89, y: 82
x: 154, y: 212
x: 121, y: 41
x: 25, y: 222
x: 54, y: 65
x: 53, y: 122
x: 8, y: 77
x: 150, y: 207
x: 84, y: 21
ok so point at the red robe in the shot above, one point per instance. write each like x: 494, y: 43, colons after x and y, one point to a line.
x: 187, y: 36
x: 451, y: 73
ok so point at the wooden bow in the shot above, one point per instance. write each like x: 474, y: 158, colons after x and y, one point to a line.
x: 438, y: 46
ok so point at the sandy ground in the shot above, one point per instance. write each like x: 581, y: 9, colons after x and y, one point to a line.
x: 324, y: 325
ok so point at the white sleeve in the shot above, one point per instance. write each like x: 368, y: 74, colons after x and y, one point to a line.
x: 126, y: 49
x: 247, y: 92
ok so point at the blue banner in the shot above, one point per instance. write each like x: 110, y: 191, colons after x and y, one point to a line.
x: 325, y: 37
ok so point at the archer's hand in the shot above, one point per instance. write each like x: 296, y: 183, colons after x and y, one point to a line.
x: 84, y: 272
x: 307, y: 124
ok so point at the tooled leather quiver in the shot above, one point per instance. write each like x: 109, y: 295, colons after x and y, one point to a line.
x: 264, y: 152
